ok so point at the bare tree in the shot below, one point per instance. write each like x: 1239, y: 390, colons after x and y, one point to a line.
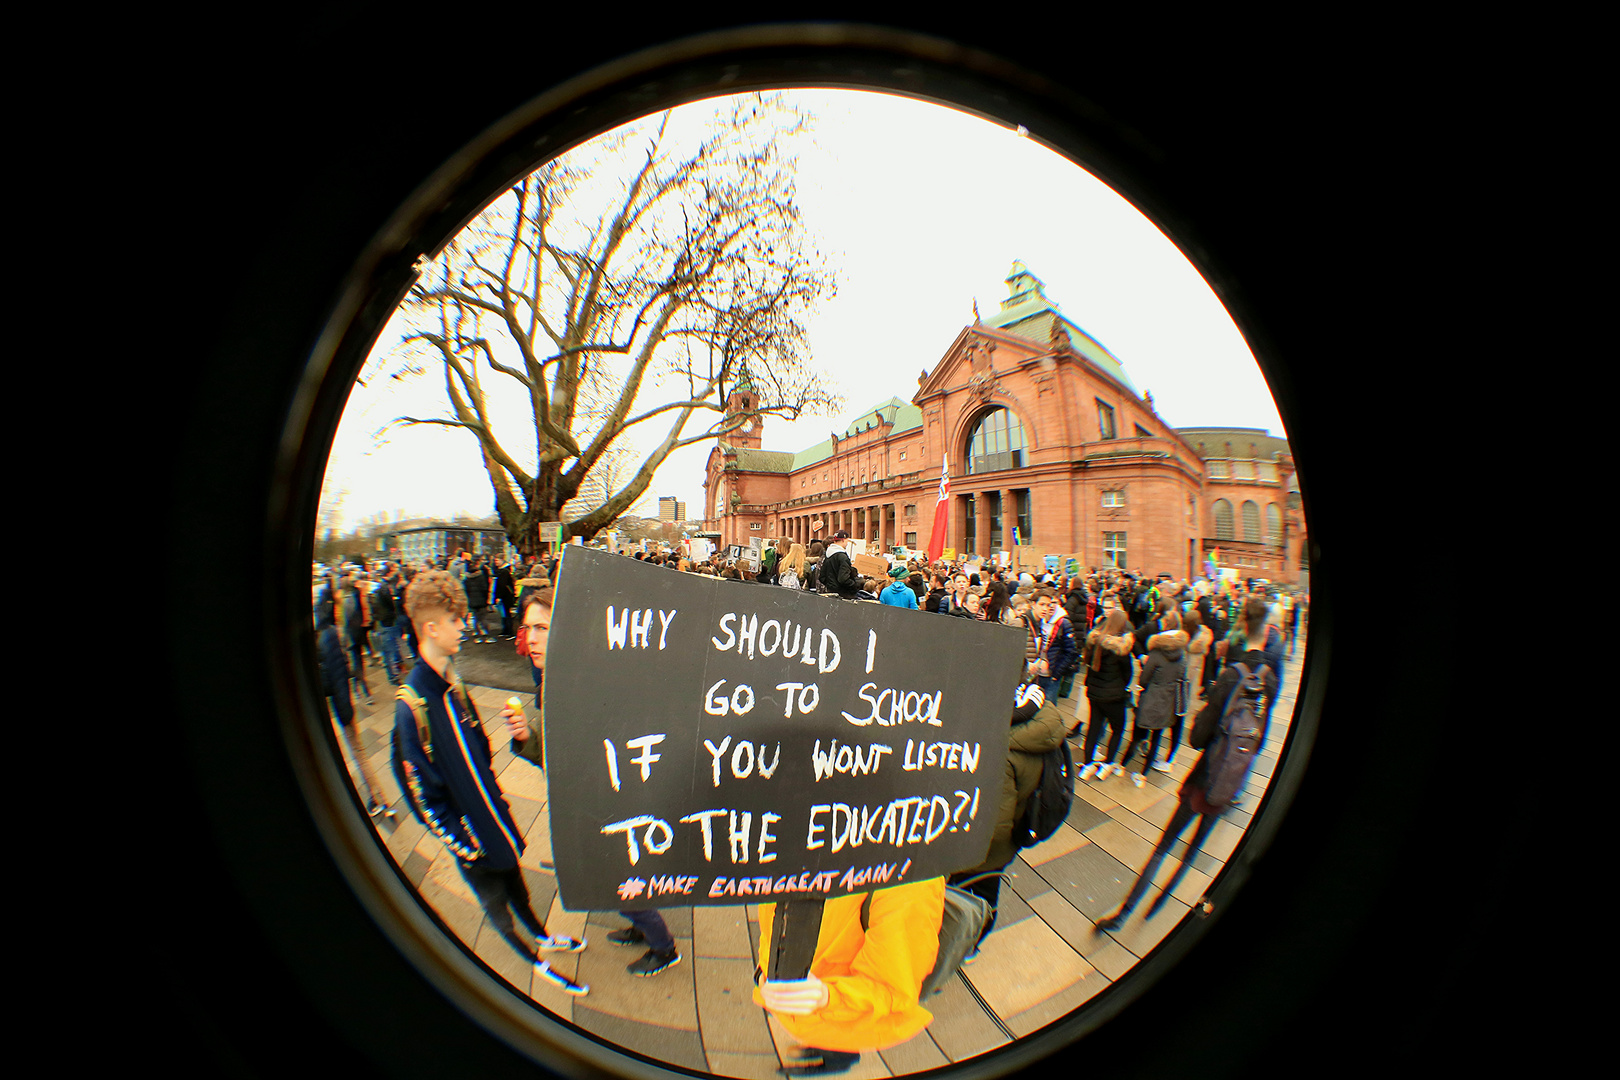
x: 631, y: 282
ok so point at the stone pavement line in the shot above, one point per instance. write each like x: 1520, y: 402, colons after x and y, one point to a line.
x: 1042, y: 962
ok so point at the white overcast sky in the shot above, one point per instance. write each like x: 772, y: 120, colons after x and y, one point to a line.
x: 923, y: 210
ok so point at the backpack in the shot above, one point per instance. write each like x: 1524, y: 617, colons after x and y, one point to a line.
x: 959, y: 931
x: 418, y: 706
x: 1238, y: 738
x: 1049, y: 805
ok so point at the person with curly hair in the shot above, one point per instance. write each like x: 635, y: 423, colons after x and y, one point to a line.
x: 442, y: 762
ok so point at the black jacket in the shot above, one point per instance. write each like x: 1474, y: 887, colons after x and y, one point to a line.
x: 477, y: 586
x: 382, y: 605
x: 838, y: 575
x: 1108, y: 666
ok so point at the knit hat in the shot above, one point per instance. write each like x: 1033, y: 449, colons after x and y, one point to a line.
x: 898, y: 570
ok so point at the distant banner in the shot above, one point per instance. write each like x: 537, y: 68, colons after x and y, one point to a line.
x: 713, y: 744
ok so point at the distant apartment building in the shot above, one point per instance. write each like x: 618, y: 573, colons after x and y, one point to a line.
x: 671, y: 509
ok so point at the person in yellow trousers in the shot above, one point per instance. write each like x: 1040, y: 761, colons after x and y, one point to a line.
x: 863, y: 988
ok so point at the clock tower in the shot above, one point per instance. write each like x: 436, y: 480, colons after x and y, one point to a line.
x: 744, y: 399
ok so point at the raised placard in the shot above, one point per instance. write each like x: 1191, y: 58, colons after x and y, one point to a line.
x: 875, y: 566
x: 714, y: 745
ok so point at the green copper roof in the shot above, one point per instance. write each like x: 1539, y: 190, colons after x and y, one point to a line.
x: 813, y: 456
x: 744, y: 382
x: 1029, y: 313
x: 1256, y: 443
x: 771, y: 461
x: 902, y: 414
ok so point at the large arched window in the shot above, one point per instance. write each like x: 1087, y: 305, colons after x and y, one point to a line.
x: 1223, y: 520
x: 1251, y: 521
x: 996, y: 443
x: 1273, y: 525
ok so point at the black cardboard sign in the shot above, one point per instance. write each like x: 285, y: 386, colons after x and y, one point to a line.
x: 716, y: 742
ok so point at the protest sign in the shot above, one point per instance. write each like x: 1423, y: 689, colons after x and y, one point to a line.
x: 1052, y: 563
x: 1072, y: 566
x: 708, y: 744
x: 872, y: 566
x: 949, y: 554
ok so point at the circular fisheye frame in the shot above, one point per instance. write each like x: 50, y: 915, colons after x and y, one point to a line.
x: 1119, y: 937
x: 344, y: 941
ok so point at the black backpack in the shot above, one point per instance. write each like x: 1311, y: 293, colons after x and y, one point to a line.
x: 1237, y: 740
x: 1049, y: 805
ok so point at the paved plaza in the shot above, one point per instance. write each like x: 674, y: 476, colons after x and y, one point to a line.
x: 1042, y: 961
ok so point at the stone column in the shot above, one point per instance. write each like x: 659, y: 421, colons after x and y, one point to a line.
x: 1009, y: 518
x: 957, y: 536
x: 980, y: 540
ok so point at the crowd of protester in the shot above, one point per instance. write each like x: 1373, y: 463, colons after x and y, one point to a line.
x: 1142, y: 649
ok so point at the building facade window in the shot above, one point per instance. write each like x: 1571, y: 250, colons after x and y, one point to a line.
x: 996, y: 443
x: 1273, y: 525
x: 1243, y: 470
x: 992, y: 504
x: 1218, y: 470
x: 1143, y: 433
x: 1105, y: 420
x: 1223, y: 520
x: 902, y: 455
x: 1026, y: 522
x: 1114, y: 549
x: 1251, y: 521
x: 970, y: 539
x: 911, y: 510
x: 1113, y: 498
x: 911, y: 540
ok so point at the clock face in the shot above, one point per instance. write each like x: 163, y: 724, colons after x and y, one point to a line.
x: 748, y: 426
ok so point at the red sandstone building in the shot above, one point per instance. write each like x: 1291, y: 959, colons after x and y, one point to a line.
x: 1045, y: 433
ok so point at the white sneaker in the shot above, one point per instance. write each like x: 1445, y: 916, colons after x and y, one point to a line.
x: 562, y: 982
x: 1137, y: 778
x: 1161, y: 766
x: 559, y: 943
x: 1087, y: 770
x: 1118, y: 770
x: 1102, y: 770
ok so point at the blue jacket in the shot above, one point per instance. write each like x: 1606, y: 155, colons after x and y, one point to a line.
x: 899, y: 594
x: 1063, y: 654
x: 454, y: 793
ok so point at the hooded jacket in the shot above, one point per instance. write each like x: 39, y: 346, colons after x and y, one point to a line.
x: 898, y: 594
x: 1037, y: 727
x: 454, y: 791
x: 838, y: 576
x: 1108, y: 666
x: 1163, y: 680
x: 874, y: 976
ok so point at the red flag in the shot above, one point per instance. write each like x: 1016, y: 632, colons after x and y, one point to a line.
x: 936, y: 540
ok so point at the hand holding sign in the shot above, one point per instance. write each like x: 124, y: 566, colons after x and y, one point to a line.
x: 795, y: 997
